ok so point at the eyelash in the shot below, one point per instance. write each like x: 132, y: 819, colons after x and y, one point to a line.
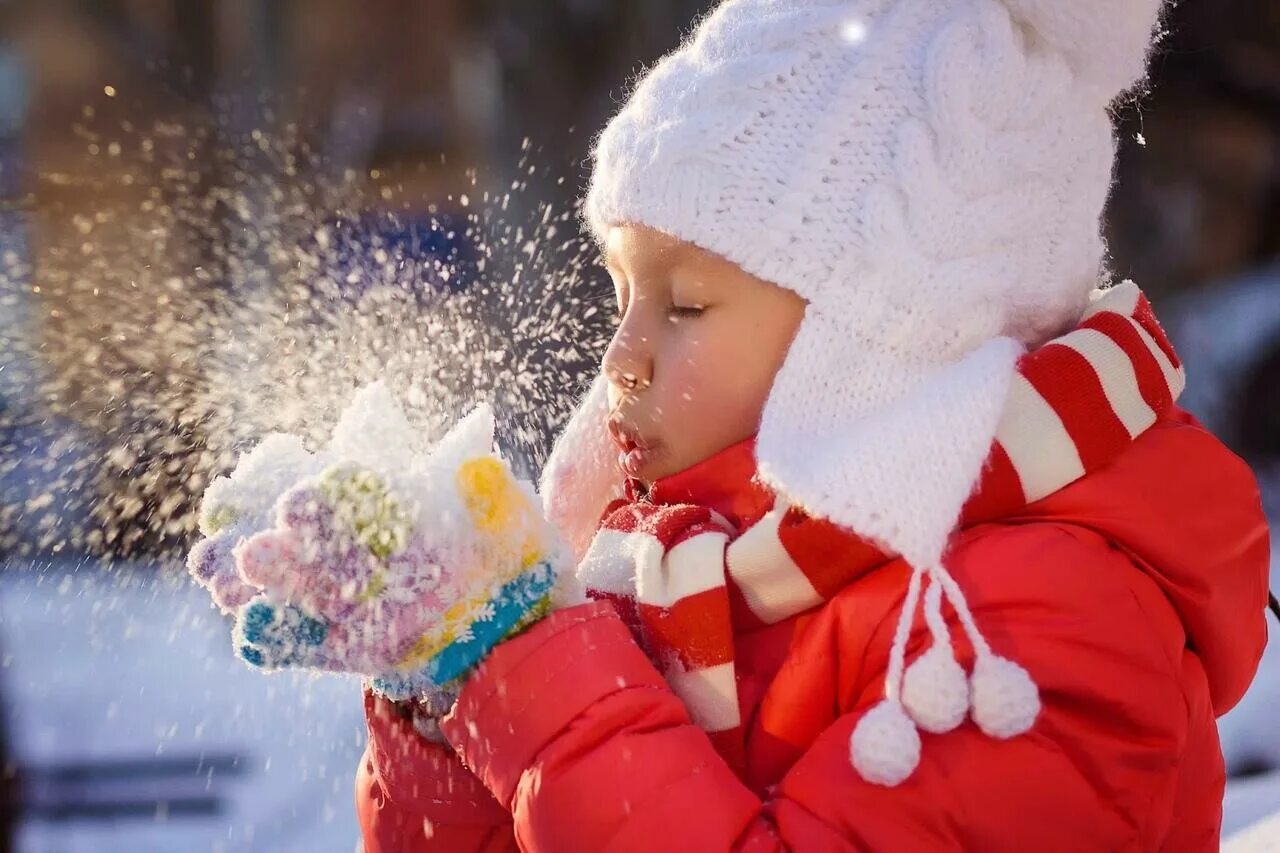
x: 682, y: 312
x: 685, y: 312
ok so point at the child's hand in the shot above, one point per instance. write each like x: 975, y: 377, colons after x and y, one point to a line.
x: 399, y: 601
x: 239, y: 505
x: 403, y: 568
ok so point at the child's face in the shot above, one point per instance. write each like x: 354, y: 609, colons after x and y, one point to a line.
x: 692, y: 362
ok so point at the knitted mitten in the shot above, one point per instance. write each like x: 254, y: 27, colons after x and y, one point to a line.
x: 371, y: 559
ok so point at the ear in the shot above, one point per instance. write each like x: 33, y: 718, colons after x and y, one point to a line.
x: 581, y: 476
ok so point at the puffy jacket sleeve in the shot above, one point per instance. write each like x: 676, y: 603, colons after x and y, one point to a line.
x: 415, y: 796
x: 571, y: 727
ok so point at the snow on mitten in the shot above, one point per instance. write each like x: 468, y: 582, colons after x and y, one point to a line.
x: 274, y: 636
x: 411, y: 597
x: 236, y: 506
x: 370, y: 558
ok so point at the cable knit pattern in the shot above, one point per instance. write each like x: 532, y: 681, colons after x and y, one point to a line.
x: 929, y: 176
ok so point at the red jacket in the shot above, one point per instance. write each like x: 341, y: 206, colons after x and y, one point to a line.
x: 1134, y: 597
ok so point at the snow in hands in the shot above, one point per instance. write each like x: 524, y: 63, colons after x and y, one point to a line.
x: 374, y: 556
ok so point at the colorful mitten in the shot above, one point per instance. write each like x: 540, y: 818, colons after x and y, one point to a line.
x: 369, y: 558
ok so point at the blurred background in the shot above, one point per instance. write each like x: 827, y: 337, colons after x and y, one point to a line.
x: 217, y: 215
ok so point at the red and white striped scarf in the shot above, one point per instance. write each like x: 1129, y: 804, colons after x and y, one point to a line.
x: 685, y: 577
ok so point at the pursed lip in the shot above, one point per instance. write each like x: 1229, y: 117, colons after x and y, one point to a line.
x: 636, y: 453
x: 627, y: 437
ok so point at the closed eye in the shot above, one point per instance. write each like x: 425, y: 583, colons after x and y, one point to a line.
x: 685, y: 312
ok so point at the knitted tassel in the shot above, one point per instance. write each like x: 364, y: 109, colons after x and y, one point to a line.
x: 935, y: 691
x: 885, y: 746
x: 1006, y: 700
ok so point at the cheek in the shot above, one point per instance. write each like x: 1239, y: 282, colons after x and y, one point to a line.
x: 690, y: 385
x: 719, y: 382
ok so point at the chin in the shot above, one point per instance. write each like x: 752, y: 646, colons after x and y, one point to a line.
x: 664, y: 467
x: 661, y: 465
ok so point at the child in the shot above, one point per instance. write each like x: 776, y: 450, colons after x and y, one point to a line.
x: 892, y: 536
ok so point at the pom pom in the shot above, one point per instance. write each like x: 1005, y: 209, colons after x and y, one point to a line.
x: 1104, y: 41
x: 936, y: 690
x: 885, y: 747
x: 1006, y: 701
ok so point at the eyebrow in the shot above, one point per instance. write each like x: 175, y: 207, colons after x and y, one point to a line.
x: 668, y: 261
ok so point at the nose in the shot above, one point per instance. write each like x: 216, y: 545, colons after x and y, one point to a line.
x: 628, y: 362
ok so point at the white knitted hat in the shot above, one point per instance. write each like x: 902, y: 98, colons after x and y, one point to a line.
x: 928, y: 175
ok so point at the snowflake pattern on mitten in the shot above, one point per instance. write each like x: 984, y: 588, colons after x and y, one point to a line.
x: 369, y: 558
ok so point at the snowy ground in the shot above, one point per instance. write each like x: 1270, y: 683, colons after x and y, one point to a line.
x: 135, y: 679
x: 1222, y: 333
x: 1251, y: 739
x: 1251, y: 814
x: 1263, y: 837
